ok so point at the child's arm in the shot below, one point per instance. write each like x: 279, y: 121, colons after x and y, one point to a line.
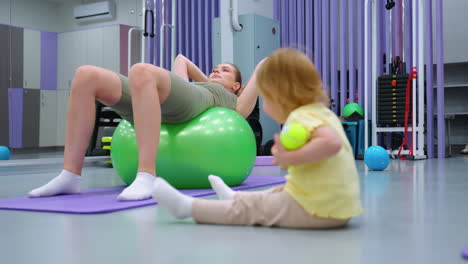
x: 248, y: 94
x: 324, y: 144
x: 185, y: 68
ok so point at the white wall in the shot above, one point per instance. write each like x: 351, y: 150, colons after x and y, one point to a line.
x: 5, y: 12
x: 58, y: 17
x: 259, y: 7
x: 34, y: 14
x: 124, y: 9
x: 455, y: 31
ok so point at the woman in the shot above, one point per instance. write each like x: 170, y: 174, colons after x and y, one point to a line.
x: 149, y: 96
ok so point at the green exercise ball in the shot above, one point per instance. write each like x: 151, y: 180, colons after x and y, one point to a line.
x: 219, y: 141
x: 351, y: 108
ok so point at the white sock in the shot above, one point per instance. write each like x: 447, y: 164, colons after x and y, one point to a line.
x: 65, y: 183
x: 222, y: 190
x: 178, y: 204
x: 140, y: 189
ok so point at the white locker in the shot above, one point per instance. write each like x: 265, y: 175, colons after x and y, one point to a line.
x: 94, y: 48
x: 32, y: 59
x: 62, y: 105
x: 111, y: 48
x: 48, y: 118
x: 80, y: 55
x: 66, y: 51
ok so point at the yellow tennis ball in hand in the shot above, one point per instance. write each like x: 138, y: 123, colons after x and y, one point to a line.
x: 294, y: 136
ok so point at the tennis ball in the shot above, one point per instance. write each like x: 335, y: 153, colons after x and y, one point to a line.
x: 294, y: 136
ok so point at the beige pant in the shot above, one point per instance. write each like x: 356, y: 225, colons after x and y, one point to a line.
x: 273, y: 207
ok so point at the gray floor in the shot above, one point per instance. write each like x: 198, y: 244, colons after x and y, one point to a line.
x: 415, y: 212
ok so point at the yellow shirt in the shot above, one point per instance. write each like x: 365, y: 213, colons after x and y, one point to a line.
x: 329, y: 188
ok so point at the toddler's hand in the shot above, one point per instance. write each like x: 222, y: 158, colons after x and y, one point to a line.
x: 280, y: 153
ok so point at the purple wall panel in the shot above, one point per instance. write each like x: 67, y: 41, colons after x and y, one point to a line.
x: 206, y: 39
x: 186, y: 44
x: 318, y: 13
x: 351, y: 46
x: 316, y: 32
x: 360, y: 51
x: 325, y: 45
x: 200, y: 37
x: 429, y: 81
x: 343, y: 45
x: 380, y: 35
x: 284, y: 24
x: 192, y: 38
x: 300, y: 25
x: 369, y: 59
x: 150, y: 41
x: 292, y: 29
x: 15, y: 114
x: 309, y: 29
x: 157, y: 30
x: 167, y: 35
x: 212, y: 5
x: 179, y: 26
x: 386, y: 47
x: 49, y: 60
x: 334, y: 53
x: 440, y: 79
x: 194, y: 31
x: 216, y: 8
x: 276, y: 10
x: 408, y: 36
x: 397, y: 29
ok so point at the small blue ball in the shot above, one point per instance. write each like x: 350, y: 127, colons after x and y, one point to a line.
x: 4, y: 153
x: 376, y: 158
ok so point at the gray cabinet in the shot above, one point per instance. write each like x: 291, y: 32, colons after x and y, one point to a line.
x: 16, y: 70
x: 31, y: 118
x: 62, y: 105
x: 32, y: 59
x: 48, y: 118
x: 4, y: 83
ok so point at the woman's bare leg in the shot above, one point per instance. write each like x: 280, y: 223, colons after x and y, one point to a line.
x: 89, y: 84
x: 150, y: 86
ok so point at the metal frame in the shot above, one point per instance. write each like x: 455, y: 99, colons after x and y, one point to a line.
x: 418, y: 137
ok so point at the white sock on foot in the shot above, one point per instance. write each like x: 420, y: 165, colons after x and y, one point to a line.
x: 222, y: 190
x: 65, y: 183
x: 140, y: 189
x: 178, y: 204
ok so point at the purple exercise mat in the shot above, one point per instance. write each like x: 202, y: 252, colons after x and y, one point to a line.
x: 104, y: 200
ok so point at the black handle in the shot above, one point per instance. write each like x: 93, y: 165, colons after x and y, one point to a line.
x: 151, y: 12
x: 145, y: 33
x: 390, y: 4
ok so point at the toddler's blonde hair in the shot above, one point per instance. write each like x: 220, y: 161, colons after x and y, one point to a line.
x: 288, y: 79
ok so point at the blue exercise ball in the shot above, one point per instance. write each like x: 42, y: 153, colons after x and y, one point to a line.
x: 4, y: 153
x: 376, y: 158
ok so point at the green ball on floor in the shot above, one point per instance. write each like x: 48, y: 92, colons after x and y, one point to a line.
x: 219, y: 141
